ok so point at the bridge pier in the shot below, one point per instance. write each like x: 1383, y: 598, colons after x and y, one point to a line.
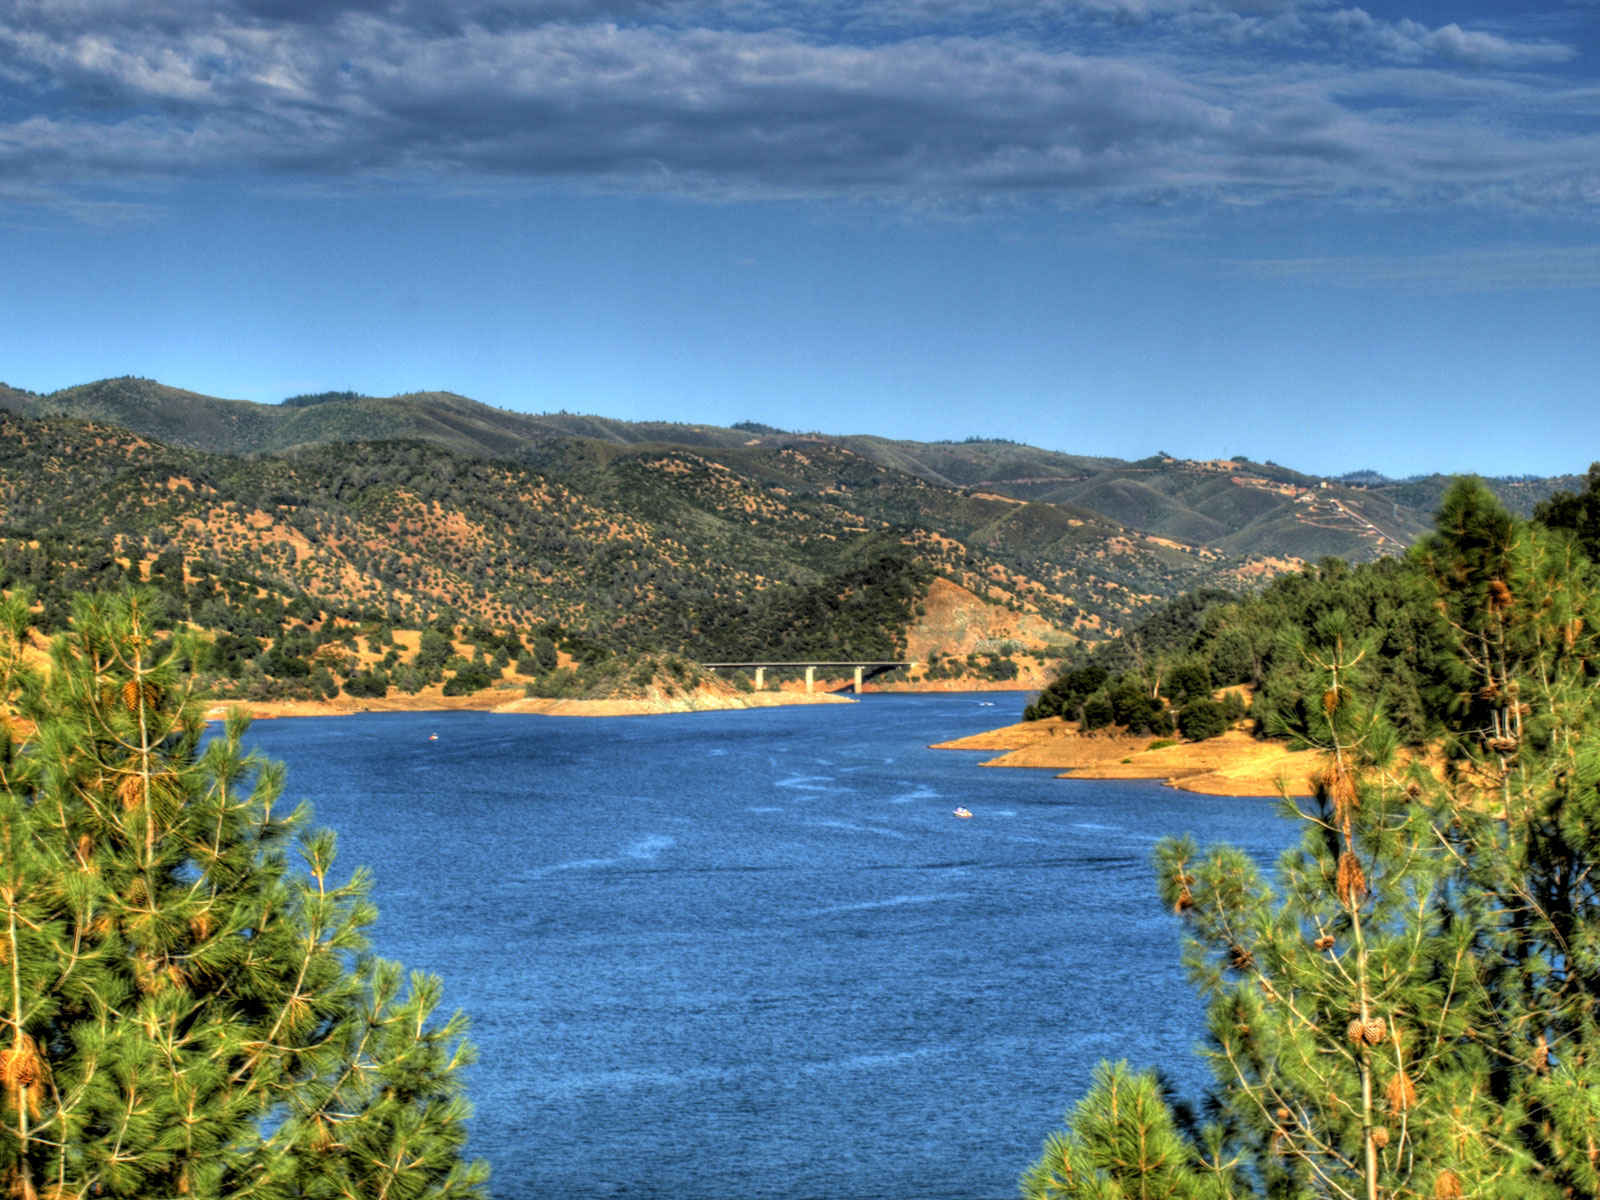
x: 863, y: 670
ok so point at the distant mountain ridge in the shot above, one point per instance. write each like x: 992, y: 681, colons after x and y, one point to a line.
x: 1236, y: 508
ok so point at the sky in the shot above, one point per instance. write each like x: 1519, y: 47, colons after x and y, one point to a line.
x: 1328, y: 236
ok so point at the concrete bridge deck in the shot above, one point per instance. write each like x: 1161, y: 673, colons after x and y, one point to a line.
x: 859, y: 666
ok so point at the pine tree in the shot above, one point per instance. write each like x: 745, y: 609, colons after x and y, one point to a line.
x: 185, y: 1009
x: 1526, y: 605
x: 1409, y: 1010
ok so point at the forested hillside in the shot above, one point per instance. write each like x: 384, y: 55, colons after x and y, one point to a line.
x: 592, y: 547
x: 1236, y: 508
x: 1163, y: 674
x: 282, y: 528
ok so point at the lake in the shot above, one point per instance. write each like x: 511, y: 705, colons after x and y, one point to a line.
x: 753, y: 954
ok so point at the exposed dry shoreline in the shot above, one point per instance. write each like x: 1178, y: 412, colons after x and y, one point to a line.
x: 501, y: 700
x: 1234, y: 764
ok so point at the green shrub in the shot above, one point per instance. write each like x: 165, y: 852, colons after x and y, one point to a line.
x: 1202, y: 718
x: 367, y: 683
x: 470, y: 678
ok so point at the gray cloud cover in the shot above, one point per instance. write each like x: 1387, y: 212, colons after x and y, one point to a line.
x: 927, y: 103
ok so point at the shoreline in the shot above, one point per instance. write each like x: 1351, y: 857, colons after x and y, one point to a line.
x: 433, y: 701
x: 1233, y: 764
x: 506, y: 700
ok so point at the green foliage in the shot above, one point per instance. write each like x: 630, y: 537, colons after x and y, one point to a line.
x: 367, y: 684
x: 1407, y: 1009
x: 1190, y: 680
x: 1065, y: 696
x: 470, y: 678
x: 1214, y: 642
x: 1123, y: 1143
x: 623, y: 676
x: 1097, y: 711
x: 562, y: 683
x: 186, y: 1013
x: 1576, y: 512
x: 860, y: 612
x: 307, y: 400
x: 433, y: 651
x: 1137, y: 710
x: 544, y: 654
x: 1167, y: 631
x: 1202, y: 718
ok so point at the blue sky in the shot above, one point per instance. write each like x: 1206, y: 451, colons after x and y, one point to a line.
x: 1332, y: 236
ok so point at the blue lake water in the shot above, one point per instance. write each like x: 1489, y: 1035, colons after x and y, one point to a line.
x: 753, y: 954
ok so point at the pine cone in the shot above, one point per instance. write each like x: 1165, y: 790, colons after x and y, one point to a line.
x: 1240, y: 958
x: 1380, y: 1137
x: 131, y: 791
x: 21, y: 1066
x: 1447, y: 1186
x: 21, y: 1069
x: 1323, y: 943
x: 134, y: 692
x: 1355, y: 1031
x: 1375, y: 1031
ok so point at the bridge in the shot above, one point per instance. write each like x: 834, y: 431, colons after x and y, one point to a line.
x: 863, y: 670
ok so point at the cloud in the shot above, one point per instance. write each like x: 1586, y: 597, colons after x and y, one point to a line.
x: 920, y: 103
x: 1496, y: 269
x: 1408, y: 39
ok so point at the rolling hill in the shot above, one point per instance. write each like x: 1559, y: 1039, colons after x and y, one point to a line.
x: 1235, y: 509
x: 608, y: 548
x: 269, y: 523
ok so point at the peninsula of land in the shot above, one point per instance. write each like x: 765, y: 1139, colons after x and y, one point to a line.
x: 1234, y: 764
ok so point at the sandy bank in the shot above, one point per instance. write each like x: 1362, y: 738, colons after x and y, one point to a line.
x: 693, y: 702
x: 502, y: 700
x: 1234, y: 764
